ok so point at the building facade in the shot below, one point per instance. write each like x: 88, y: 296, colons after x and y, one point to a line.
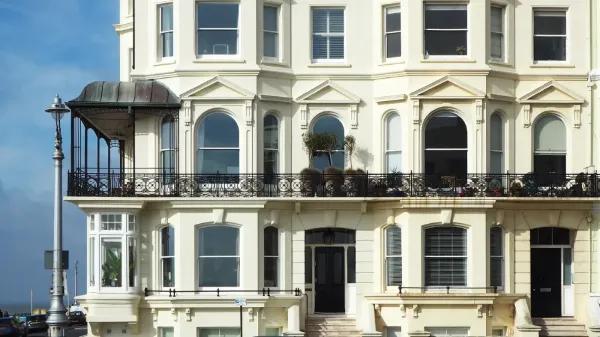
x: 474, y: 209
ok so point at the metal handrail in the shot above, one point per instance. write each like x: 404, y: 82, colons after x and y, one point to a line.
x: 267, y: 292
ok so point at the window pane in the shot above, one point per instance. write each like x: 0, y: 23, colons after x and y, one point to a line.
x: 446, y: 241
x: 92, y: 263
x: 496, y: 279
x: 320, y: 20
x: 497, y: 16
x: 497, y: 46
x: 496, y: 256
x: 496, y: 133
x: 446, y: 131
x: 219, y: 271
x: 168, y: 272
x: 166, y: 332
x: 218, y: 130
x: 550, y: 136
x: 567, y: 261
x: 445, y: 256
x: 393, y: 237
x: 230, y: 332
x: 336, y: 20
x: 271, y: 271
x: 394, y: 270
x: 550, y: 48
x: 219, y: 161
x: 496, y: 159
x: 166, y: 18
x: 336, y: 47
x: 446, y: 163
x: 270, y: 18
x: 272, y: 331
x: 331, y: 124
x: 394, y: 162
x: 217, y: 42
x: 393, y: 47
x: 442, y: 272
x: 207, y: 332
x: 111, y: 260
x: 167, y: 241
x: 271, y: 246
x: 445, y: 17
x: 217, y: 15
x: 392, y: 19
x: 446, y: 42
x: 218, y: 241
x: 319, y: 47
x: 546, y: 164
x: 394, y: 132
x: 167, y: 44
x: 549, y: 23
x: 132, y: 250
x: 166, y: 134
x: 271, y: 159
x: 271, y: 132
x: 271, y: 47
x: 351, y: 277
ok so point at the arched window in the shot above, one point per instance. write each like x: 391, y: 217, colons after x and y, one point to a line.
x: 446, y: 145
x: 271, y: 144
x: 550, y: 146
x: 393, y: 143
x: 393, y: 255
x: 330, y: 124
x: 167, y: 256
x: 496, y: 144
x: 271, y: 257
x: 167, y: 147
x: 219, y: 256
x: 218, y: 145
x: 445, y: 257
x: 496, y: 257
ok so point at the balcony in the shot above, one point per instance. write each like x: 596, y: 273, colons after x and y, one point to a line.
x: 393, y: 185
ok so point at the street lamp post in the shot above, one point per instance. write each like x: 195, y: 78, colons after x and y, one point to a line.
x: 57, y: 319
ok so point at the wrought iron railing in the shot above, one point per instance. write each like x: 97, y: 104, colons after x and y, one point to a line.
x: 268, y: 292
x: 337, y: 185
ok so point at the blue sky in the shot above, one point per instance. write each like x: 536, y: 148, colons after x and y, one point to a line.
x: 45, y: 47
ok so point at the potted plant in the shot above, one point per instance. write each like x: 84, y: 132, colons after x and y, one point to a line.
x: 350, y: 147
x: 334, y: 179
x: 356, y: 182
x: 309, y: 178
x: 111, y: 270
x: 461, y: 50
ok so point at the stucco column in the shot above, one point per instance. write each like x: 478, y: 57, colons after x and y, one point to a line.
x: 293, y: 317
x: 368, y: 320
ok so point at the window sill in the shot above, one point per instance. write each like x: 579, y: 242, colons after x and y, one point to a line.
x: 274, y: 63
x: 329, y: 65
x: 218, y: 60
x: 165, y: 62
x: 391, y: 62
x: 557, y: 64
x: 498, y: 63
x: 448, y: 60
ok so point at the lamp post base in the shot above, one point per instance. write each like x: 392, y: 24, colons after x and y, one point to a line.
x: 56, y: 331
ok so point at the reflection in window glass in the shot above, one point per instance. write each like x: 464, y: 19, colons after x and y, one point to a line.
x: 166, y: 30
x: 549, y: 35
x: 333, y: 125
x: 446, y: 145
x: 496, y: 144
x: 218, y: 145
x: 217, y: 28
x: 497, y: 33
x: 393, y: 143
x: 271, y: 31
x: 218, y: 256
x: 167, y: 256
x: 167, y: 148
x: 132, y: 251
x: 496, y: 257
x: 219, y: 332
x: 166, y: 332
x: 271, y: 257
x: 549, y: 152
x: 567, y: 272
x: 111, y: 222
x: 393, y: 255
x: 308, y: 262
x: 328, y: 33
x: 351, y: 277
x: 393, y: 37
x: 111, y: 260
x: 92, y: 262
x: 271, y: 144
x: 445, y: 257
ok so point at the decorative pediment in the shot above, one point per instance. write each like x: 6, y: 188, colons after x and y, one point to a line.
x: 447, y: 87
x: 217, y: 88
x: 552, y: 93
x: 328, y: 93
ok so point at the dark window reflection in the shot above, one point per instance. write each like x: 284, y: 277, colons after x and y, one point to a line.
x: 333, y: 125
x: 218, y: 145
x: 323, y: 235
x: 351, y: 264
x: 446, y: 29
x: 446, y: 145
x: 550, y: 236
x: 550, y: 36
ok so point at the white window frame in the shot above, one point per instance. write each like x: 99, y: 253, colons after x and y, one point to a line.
x: 386, y: 33
x: 501, y: 257
x: 566, y: 35
x: 386, y: 256
x: 276, y: 58
x: 161, y: 32
x: 268, y: 149
x: 447, y: 330
x: 199, y: 329
x: 425, y: 29
x: 161, y: 330
x: 276, y: 257
x: 389, y: 149
x: 239, y: 257
x: 173, y: 134
x: 129, y: 231
x: 501, y: 150
x: 502, y: 33
x: 198, y: 149
x: 328, y: 35
x: 465, y: 257
x: 501, y: 329
x: 198, y: 30
x: 165, y: 257
x: 279, y: 330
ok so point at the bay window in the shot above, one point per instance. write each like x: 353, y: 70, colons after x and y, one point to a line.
x: 113, y: 252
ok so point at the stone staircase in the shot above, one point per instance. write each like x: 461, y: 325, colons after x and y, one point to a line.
x: 331, y: 326
x: 560, y: 327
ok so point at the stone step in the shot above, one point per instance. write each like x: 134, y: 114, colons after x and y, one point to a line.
x: 331, y: 328
x: 334, y: 334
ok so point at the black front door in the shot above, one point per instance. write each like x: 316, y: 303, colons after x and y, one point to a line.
x: 546, y: 282
x: 329, y: 279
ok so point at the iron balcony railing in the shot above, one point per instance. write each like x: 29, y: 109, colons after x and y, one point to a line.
x: 448, y: 289
x: 172, y: 292
x: 332, y: 185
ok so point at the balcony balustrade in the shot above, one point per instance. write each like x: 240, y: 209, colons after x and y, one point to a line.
x: 368, y: 185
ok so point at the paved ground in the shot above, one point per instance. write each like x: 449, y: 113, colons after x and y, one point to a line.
x: 71, y: 332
